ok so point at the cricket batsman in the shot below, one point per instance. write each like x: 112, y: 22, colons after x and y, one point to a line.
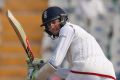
x: 84, y: 55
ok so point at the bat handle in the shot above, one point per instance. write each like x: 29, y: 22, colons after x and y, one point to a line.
x: 29, y: 51
x: 30, y: 55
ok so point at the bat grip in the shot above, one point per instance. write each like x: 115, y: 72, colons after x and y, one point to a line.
x: 30, y: 55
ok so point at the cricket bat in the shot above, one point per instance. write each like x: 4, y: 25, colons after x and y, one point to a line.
x: 21, y: 35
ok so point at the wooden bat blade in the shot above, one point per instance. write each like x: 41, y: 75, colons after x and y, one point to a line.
x: 21, y: 34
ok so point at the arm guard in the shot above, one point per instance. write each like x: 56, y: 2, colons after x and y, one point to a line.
x: 45, y: 72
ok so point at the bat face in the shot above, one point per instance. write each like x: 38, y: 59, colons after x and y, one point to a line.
x: 21, y: 35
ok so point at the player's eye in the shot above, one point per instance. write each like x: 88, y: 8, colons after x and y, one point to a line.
x: 53, y: 22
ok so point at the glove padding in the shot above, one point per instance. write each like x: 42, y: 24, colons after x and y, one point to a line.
x: 34, y: 67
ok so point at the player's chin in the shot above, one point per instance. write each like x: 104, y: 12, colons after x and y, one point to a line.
x: 56, y: 34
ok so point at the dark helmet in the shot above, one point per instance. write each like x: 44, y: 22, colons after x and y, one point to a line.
x: 51, y: 14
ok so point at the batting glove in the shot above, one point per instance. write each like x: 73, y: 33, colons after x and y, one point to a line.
x: 33, y: 67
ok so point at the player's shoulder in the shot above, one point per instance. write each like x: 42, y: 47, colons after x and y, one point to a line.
x: 67, y: 28
x: 68, y: 24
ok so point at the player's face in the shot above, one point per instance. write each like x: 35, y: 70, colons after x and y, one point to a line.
x: 54, y: 26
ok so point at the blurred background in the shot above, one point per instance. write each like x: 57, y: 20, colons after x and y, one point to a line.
x: 101, y: 18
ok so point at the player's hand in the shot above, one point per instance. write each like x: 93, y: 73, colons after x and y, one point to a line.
x: 34, y: 67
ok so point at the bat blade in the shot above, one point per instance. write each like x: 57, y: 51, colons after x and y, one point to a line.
x: 21, y: 35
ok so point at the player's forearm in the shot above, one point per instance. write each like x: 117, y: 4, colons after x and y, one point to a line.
x: 62, y: 72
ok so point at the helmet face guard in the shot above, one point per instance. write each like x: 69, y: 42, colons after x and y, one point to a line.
x: 53, y: 13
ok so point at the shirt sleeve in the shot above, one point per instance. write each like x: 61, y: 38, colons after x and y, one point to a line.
x: 65, y: 38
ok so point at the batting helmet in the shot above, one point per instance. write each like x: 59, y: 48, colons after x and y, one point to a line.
x: 51, y: 14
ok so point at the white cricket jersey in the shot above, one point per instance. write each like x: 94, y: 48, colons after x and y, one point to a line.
x: 82, y: 51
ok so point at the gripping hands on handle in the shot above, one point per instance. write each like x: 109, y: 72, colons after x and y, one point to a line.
x: 33, y: 68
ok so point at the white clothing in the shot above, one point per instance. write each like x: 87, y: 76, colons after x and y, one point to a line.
x: 82, y: 51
